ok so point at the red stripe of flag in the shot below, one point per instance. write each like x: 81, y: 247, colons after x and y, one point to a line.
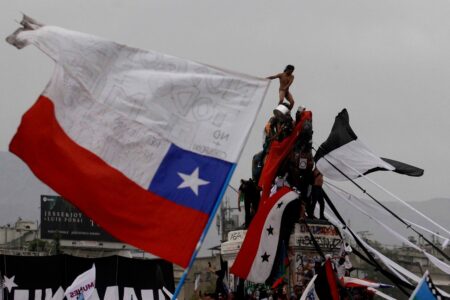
x: 277, y: 152
x: 120, y: 206
x: 332, y: 280
x: 244, y: 260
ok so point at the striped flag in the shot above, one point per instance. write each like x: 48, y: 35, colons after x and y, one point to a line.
x: 350, y: 282
x: 256, y: 257
x: 278, y: 151
x: 142, y: 142
x: 324, y: 285
x: 345, y: 151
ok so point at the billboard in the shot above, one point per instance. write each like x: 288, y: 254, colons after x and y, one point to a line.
x: 59, y: 217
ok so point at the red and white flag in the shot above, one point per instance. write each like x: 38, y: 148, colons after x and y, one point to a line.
x: 278, y: 151
x: 142, y: 142
x: 350, y: 282
x: 256, y: 257
x: 83, y: 286
x: 323, y: 285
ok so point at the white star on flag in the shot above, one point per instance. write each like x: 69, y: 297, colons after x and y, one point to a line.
x: 192, y: 181
x: 9, y: 283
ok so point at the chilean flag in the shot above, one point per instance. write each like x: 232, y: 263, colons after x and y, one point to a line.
x: 142, y: 142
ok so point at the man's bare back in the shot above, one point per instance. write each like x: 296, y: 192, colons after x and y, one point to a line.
x: 285, y: 81
x: 286, y: 78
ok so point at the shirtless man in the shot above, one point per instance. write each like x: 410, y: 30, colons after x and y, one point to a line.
x: 286, y: 79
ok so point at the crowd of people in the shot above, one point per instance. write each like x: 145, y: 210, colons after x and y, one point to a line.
x: 297, y: 171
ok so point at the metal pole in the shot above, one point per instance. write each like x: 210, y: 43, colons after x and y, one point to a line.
x: 205, y: 231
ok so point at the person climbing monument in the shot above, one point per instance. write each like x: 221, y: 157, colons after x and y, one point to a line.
x: 286, y: 78
x: 317, y: 195
x: 249, y: 193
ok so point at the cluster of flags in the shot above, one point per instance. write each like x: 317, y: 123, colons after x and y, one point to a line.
x: 145, y: 143
x: 341, y: 157
x: 279, y: 150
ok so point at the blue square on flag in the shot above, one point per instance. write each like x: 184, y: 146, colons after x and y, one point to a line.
x: 190, y: 179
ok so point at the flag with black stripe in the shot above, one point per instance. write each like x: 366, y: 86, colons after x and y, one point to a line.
x: 343, y: 156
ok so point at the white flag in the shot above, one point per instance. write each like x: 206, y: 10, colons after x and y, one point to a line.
x: 83, y: 285
x: 197, y: 281
x: 310, y: 290
x: 166, y: 130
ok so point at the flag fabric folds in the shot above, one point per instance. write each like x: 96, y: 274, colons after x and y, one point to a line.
x: 350, y: 282
x: 283, y: 266
x: 344, y: 151
x: 426, y: 290
x: 256, y: 257
x: 323, y: 285
x: 326, y: 283
x: 310, y: 291
x: 142, y: 142
x: 83, y: 286
x: 278, y: 151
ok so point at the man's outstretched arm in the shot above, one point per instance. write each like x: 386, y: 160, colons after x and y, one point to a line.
x: 274, y: 76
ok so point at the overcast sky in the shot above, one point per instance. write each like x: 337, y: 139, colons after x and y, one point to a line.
x: 387, y: 62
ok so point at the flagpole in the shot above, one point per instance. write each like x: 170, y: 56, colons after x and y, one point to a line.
x: 391, y: 194
x: 406, y: 204
x: 379, y: 209
x: 393, y: 232
x: 205, y: 231
x: 394, y: 277
x: 428, y: 230
x: 386, y: 208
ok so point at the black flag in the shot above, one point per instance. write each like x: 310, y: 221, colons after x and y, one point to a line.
x: 343, y: 156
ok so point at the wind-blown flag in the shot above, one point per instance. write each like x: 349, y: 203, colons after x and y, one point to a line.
x: 282, y: 274
x: 350, y: 282
x: 256, y: 257
x: 426, y: 290
x: 323, y: 285
x: 347, y: 153
x: 83, y: 286
x: 326, y: 283
x: 142, y: 142
x: 278, y: 151
x: 310, y: 291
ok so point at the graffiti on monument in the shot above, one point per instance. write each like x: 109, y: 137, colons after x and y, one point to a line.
x: 325, y: 235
